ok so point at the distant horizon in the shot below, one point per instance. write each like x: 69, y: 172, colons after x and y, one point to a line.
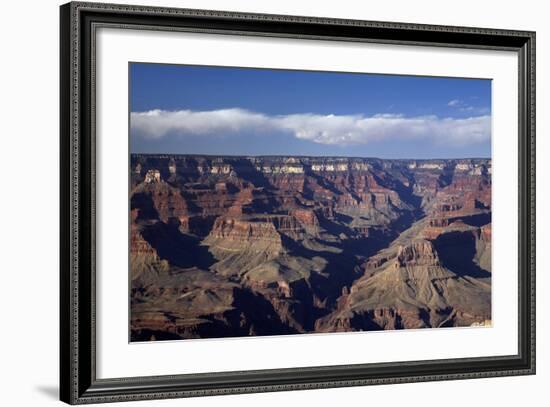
x: 272, y: 112
x: 312, y: 156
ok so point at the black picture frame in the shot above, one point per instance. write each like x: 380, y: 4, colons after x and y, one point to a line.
x: 78, y: 382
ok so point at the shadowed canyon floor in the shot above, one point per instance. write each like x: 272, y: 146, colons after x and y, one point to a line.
x: 239, y: 246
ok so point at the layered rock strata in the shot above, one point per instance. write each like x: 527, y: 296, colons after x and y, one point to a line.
x: 238, y: 246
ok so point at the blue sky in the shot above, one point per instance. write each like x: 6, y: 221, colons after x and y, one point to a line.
x: 244, y: 111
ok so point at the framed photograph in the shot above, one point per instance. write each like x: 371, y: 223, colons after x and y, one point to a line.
x: 254, y: 203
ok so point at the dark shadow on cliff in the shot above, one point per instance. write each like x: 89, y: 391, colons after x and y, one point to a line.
x: 404, y: 222
x: 323, y: 182
x: 406, y: 193
x: 177, y: 248
x: 477, y: 220
x: 251, y: 315
x: 457, y: 251
x: 445, y: 179
x: 258, y: 313
x: 144, y: 203
x: 341, y: 269
x: 333, y: 227
x: 248, y: 172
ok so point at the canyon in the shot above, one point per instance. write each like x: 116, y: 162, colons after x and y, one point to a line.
x: 227, y: 246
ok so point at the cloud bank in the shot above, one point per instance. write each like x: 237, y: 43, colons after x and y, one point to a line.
x: 343, y: 130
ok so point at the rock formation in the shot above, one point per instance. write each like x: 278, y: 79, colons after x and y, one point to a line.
x: 237, y: 246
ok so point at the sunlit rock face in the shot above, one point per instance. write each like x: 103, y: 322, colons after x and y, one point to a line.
x: 239, y: 246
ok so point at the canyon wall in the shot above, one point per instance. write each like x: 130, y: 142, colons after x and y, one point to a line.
x: 237, y: 246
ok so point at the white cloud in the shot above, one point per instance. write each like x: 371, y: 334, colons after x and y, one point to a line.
x: 342, y: 130
x: 464, y: 107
